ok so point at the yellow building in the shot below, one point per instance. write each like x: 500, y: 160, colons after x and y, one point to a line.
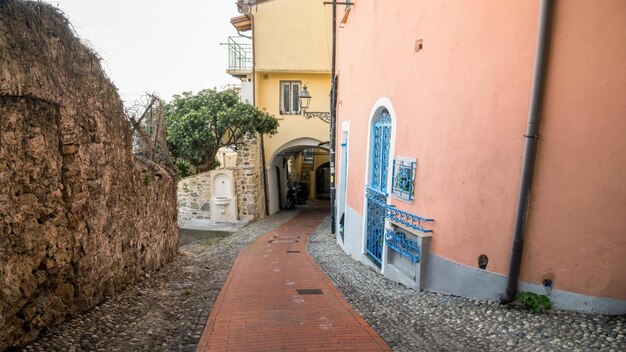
x: 289, y: 48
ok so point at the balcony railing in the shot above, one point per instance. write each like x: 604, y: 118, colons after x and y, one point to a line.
x: 239, y: 54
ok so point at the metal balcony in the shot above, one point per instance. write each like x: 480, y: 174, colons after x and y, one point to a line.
x: 239, y: 56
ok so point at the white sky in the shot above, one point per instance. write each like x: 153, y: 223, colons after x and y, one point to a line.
x: 162, y: 46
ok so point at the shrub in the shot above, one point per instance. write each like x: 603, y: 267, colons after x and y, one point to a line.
x: 533, y: 302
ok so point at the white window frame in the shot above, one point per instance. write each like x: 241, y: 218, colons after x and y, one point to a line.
x: 308, y: 155
x: 292, y: 107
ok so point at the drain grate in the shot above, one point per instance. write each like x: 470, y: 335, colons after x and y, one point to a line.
x: 310, y: 291
x: 278, y: 241
x: 293, y: 251
x: 286, y: 237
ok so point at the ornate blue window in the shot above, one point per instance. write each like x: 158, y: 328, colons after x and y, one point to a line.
x: 403, y: 181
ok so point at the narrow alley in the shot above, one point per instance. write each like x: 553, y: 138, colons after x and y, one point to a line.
x: 312, y: 175
x: 277, y: 299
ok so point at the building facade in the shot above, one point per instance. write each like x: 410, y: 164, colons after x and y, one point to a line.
x: 288, y: 49
x: 431, y: 120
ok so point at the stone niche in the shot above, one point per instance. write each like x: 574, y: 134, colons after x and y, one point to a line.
x: 80, y: 216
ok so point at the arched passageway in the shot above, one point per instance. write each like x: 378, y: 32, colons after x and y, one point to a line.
x: 295, y: 165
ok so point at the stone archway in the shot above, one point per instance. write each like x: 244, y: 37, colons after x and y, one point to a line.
x: 287, y: 165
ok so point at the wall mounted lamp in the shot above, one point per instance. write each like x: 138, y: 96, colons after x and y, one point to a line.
x: 305, y: 100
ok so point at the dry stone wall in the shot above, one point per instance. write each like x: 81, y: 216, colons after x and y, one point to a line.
x: 194, y: 197
x: 249, y: 179
x: 194, y: 192
x: 249, y: 182
x: 80, y: 217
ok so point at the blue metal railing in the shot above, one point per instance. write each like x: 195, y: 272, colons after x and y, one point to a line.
x: 376, y: 212
x: 407, y: 219
x: 397, y: 241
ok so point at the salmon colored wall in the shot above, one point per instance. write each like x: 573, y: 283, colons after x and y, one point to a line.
x: 461, y: 108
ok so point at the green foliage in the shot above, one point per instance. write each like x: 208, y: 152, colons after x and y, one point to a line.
x: 199, y: 124
x: 533, y: 302
x: 183, y: 167
x: 147, y: 179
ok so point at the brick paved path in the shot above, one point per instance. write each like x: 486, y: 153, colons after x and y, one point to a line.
x: 260, y: 309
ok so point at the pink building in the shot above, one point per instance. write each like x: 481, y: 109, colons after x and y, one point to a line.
x: 432, y: 115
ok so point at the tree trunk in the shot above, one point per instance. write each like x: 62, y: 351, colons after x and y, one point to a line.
x: 207, y: 165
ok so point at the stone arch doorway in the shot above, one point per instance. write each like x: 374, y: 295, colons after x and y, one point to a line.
x: 293, y: 164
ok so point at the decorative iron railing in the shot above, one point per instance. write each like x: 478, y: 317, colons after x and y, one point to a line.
x: 407, y: 219
x: 376, y: 212
x: 376, y: 195
x: 397, y: 241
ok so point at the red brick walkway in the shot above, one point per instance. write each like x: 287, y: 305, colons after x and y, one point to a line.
x: 259, y: 308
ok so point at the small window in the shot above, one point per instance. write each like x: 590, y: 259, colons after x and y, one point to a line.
x: 308, y: 154
x: 289, y: 102
x: 403, y: 183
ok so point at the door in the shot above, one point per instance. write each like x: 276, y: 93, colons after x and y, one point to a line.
x: 280, y: 189
x: 342, y: 185
x: 376, y: 190
x: 322, y: 181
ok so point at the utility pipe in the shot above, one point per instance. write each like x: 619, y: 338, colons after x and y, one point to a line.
x: 333, y: 121
x: 262, y: 140
x: 263, y: 168
x: 530, y: 148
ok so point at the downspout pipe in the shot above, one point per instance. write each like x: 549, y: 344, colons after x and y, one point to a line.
x: 530, y: 148
x: 262, y: 139
x: 263, y: 168
x: 333, y: 120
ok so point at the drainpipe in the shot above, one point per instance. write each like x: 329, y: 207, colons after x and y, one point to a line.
x: 333, y: 121
x: 530, y: 149
x: 262, y: 141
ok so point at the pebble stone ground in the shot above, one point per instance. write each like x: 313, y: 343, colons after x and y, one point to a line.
x: 167, y: 310
x: 423, y: 321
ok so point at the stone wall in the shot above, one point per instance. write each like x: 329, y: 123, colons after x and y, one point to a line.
x: 194, y: 192
x: 249, y: 179
x: 194, y: 197
x: 80, y: 217
x: 248, y: 182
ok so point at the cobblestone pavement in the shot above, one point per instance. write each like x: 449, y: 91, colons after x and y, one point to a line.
x: 423, y: 321
x: 167, y: 310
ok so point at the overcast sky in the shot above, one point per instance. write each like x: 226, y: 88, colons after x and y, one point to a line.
x: 161, y: 46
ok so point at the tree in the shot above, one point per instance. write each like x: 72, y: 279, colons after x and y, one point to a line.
x: 198, y: 125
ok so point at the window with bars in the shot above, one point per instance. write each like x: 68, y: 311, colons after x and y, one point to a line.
x: 308, y: 155
x: 289, y: 102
